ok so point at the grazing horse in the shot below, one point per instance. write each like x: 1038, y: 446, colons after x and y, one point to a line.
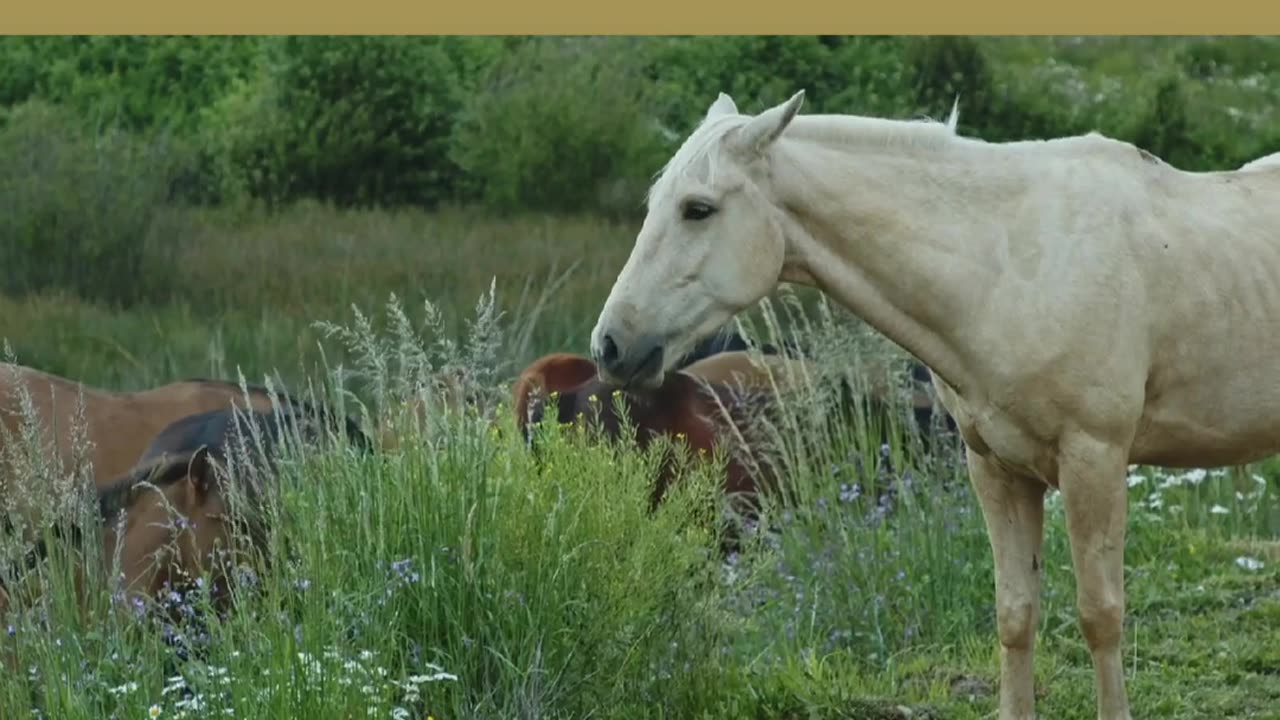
x: 170, y: 519
x: 693, y: 402
x: 682, y: 405
x: 740, y: 366
x: 118, y: 424
x: 121, y: 425
x: 1082, y: 306
x: 732, y: 341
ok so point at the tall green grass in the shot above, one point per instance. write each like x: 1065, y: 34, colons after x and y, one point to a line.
x: 458, y: 576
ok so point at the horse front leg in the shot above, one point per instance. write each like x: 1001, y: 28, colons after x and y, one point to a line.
x: 1013, y: 509
x: 1091, y: 477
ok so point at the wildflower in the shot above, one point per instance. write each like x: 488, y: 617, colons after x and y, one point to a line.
x: 434, y: 677
x: 849, y: 493
x: 1249, y: 563
x: 124, y: 689
x: 1219, y: 510
x: 153, y: 711
x: 11, y: 630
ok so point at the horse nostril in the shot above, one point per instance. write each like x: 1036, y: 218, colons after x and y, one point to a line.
x: 609, y: 353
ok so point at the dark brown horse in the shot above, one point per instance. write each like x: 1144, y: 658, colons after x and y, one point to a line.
x: 171, y: 519
x: 706, y: 403
x: 713, y: 402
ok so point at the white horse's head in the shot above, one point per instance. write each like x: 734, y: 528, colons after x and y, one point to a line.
x: 712, y: 244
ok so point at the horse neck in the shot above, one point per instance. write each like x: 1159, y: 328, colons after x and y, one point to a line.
x: 903, y: 234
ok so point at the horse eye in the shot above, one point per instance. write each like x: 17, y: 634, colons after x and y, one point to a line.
x: 698, y: 211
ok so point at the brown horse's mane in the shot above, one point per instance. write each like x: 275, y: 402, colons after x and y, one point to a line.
x: 355, y: 434
x: 114, y: 498
x: 205, y: 440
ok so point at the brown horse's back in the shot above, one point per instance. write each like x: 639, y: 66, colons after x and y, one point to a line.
x: 741, y: 369
x: 118, y: 425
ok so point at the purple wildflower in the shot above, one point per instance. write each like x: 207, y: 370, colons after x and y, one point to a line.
x: 246, y: 576
x: 849, y: 493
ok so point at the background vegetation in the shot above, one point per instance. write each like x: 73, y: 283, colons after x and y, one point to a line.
x: 174, y: 207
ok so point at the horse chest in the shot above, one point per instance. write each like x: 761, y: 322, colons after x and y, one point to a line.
x: 999, y: 434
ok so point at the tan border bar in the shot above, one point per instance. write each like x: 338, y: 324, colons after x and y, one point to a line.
x: 570, y: 17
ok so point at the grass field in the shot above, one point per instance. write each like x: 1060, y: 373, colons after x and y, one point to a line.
x: 457, y: 579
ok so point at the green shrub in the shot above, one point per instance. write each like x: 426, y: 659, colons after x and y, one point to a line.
x: 80, y: 211
x: 561, y: 125
x: 839, y: 74
x: 131, y: 81
x: 1165, y: 131
x: 352, y: 120
x: 1206, y: 58
x: 581, y: 124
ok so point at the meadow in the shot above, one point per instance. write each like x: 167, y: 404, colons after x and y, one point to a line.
x: 454, y: 577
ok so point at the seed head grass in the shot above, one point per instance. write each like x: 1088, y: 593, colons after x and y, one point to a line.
x: 452, y: 573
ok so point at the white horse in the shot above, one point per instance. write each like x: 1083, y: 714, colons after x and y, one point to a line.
x: 1082, y: 305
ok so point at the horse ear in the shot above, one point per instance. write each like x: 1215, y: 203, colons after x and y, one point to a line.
x: 723, y: 105
x: 763, y: 129
x: 200, y: 470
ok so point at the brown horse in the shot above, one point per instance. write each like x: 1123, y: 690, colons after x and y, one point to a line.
x: 695, y: 403
x: 197, y: 419
x: 684, y: 406
x: 171, y: 518
x: 119, y: 425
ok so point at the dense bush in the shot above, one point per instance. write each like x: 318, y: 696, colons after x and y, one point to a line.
x: 562, y: 126
x: 82, y: 211
x: 354, y: 120
x: 581, y: 124
x: 839, y: 74
x: 135, y: 82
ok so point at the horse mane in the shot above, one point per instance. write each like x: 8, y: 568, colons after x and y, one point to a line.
x: 183, y: 440
x: 355, y: 434
x: 114, y: 498
x: 836, y: 129
x: 862, y: 131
